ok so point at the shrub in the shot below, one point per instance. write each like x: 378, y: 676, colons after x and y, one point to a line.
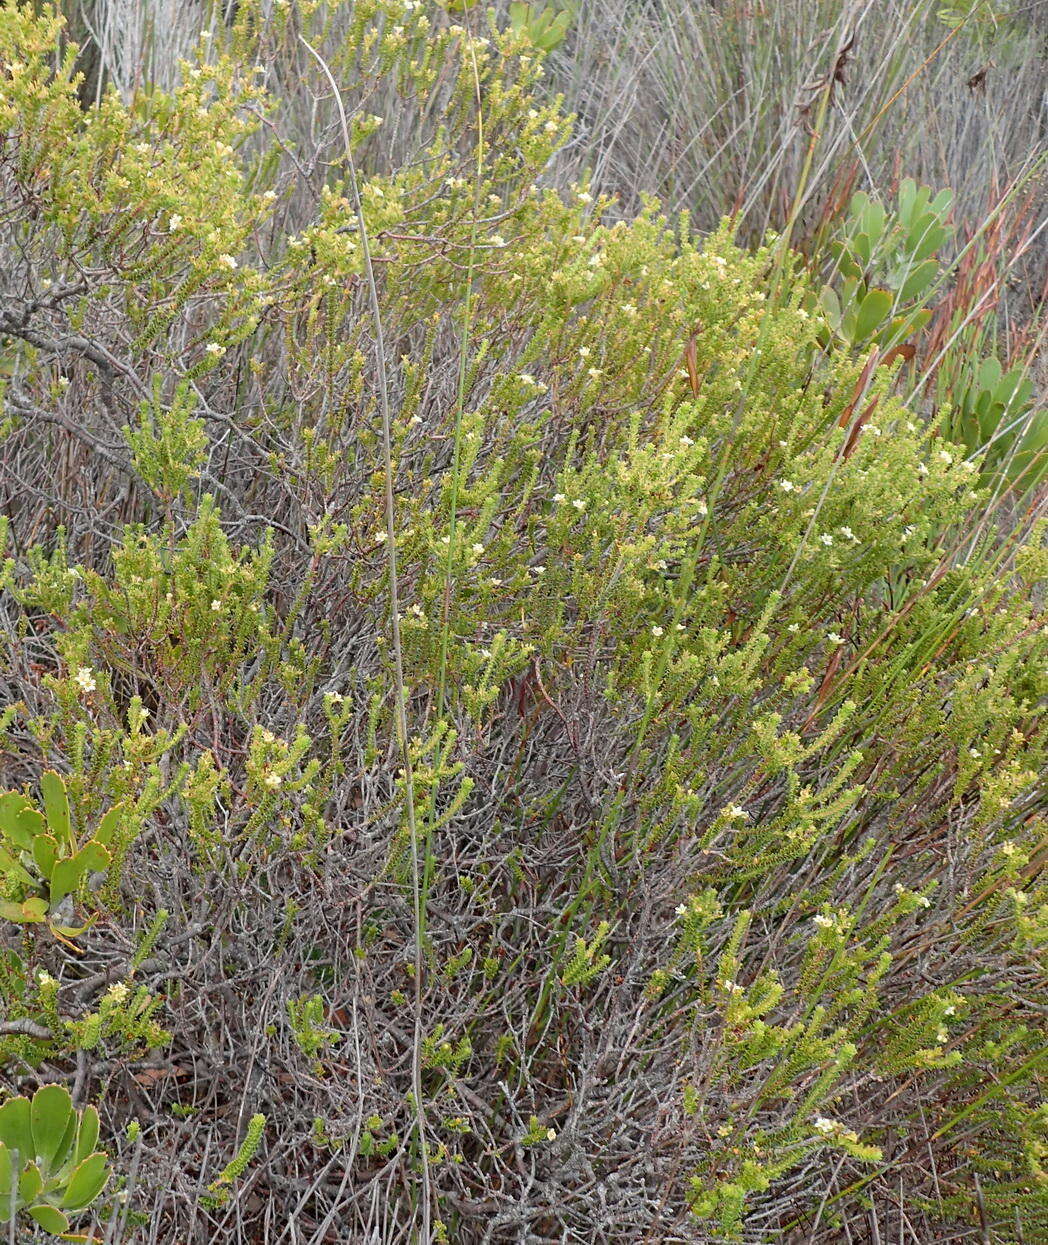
x: 48, y: 1161
x: 550, y: 675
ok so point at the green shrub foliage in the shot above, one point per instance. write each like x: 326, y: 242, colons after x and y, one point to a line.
x: 632, y: 834
x: 48, y: 1161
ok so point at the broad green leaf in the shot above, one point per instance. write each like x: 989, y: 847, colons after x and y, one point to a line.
x: 925, y: 238
x: 16, y: 1127
x: 860, y: 201
x: 86, y: 1182
x: 874, y: 219
x: 918, y: 279
x: 862, y: 246
x: 87, y: 1136
x: 1015, y: 390
x: 942, y: 202
x: 68, y: 874
x: 14, y: 869
x: 50, y: 1218
x: 988, y: 375
x: 64, y: 1155
x: 907, y: 198
x: 28, y: 913
x: 873, y: 310
x: 45, y: 853
x: 19, y: 821
x: 1029, y: 463
x: 30, y: 1182
x: 107, y: 827
x: 56, y: 806
x: 6, y: 1179
x: 985, y: 414
x: 51, y: 1111
x: 831, y: 307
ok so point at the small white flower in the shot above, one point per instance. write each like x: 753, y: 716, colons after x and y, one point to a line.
x: 656, y: 632
x: 272, y: 780
x: 227, y: 261
x: 497, y: 239
x: 594, y: 372
x: 628, y: 309
x: 585, y: 197
x: 174, y: 221
x: 686, y: 442
x: 85, y: 679
x: 736, y: 813
x: 787, y: 486
x: 477, y: 548
x: 595, y: 260
x: 584, y: 352
x: 538, y: 570
x: 118, y: 992
x: 45, y: 978
x: 974, y: 752
x: 381, y: 537
x: 848, y: 533
x: 216, y: 606
x: 826, y: 538
x: 215, y: 349
x: 824, y: 922
x: 702, y: 510
x: 922, y: 469
x: 336, y: 698
x: 579, y: 503
x: 793, y: 628
x: 945, y: 456
x: 559, y: 497
x: 681, y: 909
x: 834, y: 638
x: 825, y: 1126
